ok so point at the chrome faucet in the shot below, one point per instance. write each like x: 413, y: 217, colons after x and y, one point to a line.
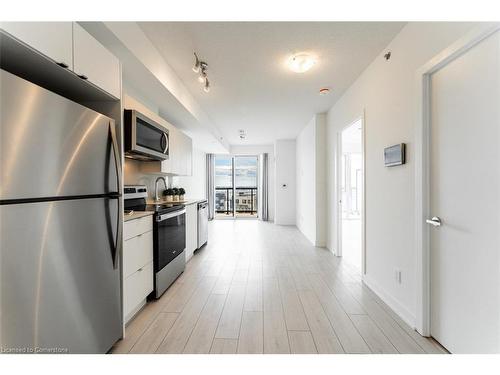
x: 157, y: 198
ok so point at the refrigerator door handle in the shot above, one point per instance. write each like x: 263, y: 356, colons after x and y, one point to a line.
x: 119, y: 223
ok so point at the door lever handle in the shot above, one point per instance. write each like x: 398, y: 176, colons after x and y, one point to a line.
x: 435, y: 221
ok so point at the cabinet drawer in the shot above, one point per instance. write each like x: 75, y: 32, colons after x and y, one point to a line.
x: 137, y: 252
x: 135, y: 227
x: 137, y: 287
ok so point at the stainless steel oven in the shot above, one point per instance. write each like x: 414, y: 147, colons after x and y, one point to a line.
x: 169, y: 243
x: 145, y: 139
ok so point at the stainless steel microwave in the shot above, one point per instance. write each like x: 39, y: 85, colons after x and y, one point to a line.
x: 145, y: 139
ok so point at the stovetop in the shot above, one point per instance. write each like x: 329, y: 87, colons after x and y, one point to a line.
x: 164, y: 207
x: 160, y: 208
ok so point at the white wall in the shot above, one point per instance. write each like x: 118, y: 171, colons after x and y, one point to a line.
x: 311, y: 181
x: 257, y: 150
x: 305, y: 185
x: 284, y: 154
x: 385, y: 93
x: 196, y: 184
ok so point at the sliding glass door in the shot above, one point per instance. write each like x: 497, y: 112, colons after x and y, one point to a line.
x: 224, y: 187
x: 245, y: 184
x: 236, y: 186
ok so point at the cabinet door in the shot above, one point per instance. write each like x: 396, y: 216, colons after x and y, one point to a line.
x: 188, y: 156
x: 191, y: 229
x: 180, y: 154
x: 136, y: 288
x: 171, y: 164
x: 94, y: 62
x: 137, y: 252
x: 53, y: 39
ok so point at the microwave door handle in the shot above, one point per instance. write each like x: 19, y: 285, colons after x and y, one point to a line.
x: 119, y: 220
x: 164, y: 140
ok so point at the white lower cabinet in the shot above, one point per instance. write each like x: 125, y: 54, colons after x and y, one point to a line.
x: 137, y: 287
x: 191, y: 229
x: 137, y: 264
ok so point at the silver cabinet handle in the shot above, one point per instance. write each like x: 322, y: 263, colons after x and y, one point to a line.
x: 435, y: 221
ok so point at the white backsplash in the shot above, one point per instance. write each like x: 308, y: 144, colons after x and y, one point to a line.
x: 134, y: 176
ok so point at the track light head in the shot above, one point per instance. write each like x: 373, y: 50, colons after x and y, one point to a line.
x: 201, y: 68
x: 196, y: 67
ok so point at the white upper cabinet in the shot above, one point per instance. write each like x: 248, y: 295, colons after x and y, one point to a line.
x: 53, y: 39
x: 187, y: 155
x: 94, y: 62
x: 70, y: 45
x: 180, y: 154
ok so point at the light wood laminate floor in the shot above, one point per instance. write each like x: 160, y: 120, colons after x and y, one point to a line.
x: 263, y: 288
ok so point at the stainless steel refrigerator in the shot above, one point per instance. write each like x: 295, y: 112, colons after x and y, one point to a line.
x: 60, y: 224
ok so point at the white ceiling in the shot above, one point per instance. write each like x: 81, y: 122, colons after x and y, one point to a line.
x: 251, y: 87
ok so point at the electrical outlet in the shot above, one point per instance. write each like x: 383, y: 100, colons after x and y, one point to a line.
x: 397, y: 276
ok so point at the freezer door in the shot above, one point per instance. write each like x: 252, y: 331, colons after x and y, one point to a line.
x: 59, y: 291
x: 51, y: 146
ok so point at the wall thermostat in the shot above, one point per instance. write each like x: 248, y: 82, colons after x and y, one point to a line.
x: 394, y: 155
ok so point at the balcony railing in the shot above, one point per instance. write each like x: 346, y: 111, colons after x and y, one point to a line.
x: 245, y: 200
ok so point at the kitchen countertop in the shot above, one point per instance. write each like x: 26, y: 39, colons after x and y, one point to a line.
x: 137, y: 215
x: 185, y: 202
x: 191, y: 201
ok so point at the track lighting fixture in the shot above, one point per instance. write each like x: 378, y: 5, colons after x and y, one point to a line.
x: 202, y: 76
x: 196, y: 67
x: 201, y: 67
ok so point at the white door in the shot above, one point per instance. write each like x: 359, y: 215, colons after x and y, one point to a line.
x: 465, y: 195
x: 351, y: 194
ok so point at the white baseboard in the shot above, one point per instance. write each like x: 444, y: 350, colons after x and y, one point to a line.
x: 395, y: 305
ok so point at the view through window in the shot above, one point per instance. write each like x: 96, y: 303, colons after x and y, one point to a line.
x: 236, y: 186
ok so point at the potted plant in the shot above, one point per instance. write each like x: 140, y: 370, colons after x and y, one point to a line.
x: 176, y: 194
x: 181, y: 194
x: 169, y: 194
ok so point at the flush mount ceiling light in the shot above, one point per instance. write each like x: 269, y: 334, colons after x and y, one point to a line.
x: 324, y: 91
x: 201, y: 67
x: 301, y: 62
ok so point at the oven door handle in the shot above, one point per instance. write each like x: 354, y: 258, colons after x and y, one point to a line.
x: 170, y: 215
